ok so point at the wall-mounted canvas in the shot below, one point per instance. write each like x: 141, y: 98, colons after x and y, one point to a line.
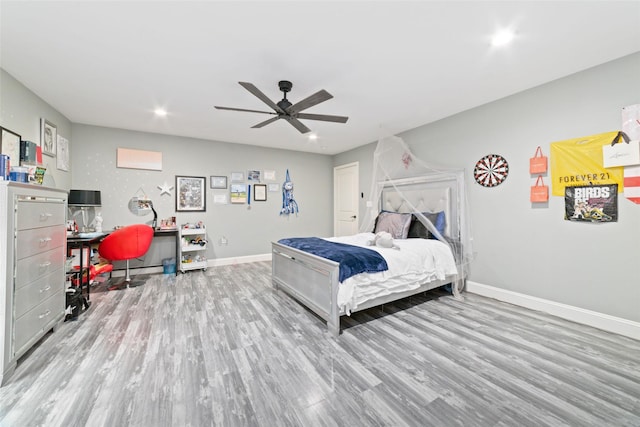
x: 139, y: 159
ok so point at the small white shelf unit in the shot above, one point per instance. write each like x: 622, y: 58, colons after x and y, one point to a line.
x: 193, y: 245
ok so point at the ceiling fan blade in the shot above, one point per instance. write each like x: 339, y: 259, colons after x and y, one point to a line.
x: 323, y: 117
x: 243, y: 109
x: 266, y: 122
x: 254, y: 90
x: 297, y: 124
x: 310, y: 101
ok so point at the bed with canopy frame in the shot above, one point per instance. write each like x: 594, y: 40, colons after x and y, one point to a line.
x: 401, y: 185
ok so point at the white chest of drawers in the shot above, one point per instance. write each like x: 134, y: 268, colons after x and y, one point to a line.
x: 32, y: 258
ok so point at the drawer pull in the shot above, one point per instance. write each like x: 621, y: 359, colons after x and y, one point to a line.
x: 45, y: 216
x: 45, y: 240
x: 45, y: 264
x: 45, y: 289
x: 45, y: 314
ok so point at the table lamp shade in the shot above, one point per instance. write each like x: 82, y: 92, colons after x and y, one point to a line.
x: 84, y: 198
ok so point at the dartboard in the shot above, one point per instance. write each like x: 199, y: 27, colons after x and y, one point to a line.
x: 491, y: 170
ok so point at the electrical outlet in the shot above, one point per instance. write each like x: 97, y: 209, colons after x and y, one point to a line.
x: 223, y: 241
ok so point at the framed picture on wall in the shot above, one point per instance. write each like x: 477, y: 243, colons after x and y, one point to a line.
x: 253, y: 175
x: 191, y: 194
x: 238, y: 193
x: 237, y: 176
x: 260, y: 192
x: 62, y: 158
x: 218, y: 182
x: 274, y: 188
x: 10, y: 145
x: 48, y: 137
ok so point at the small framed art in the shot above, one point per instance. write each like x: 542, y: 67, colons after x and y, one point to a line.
x: 10, y: 145
x: 274, y: 188
x: 260, y: 192
x: 237, y: 177
x: 218, y: 182
x: 238, y: 193
x: 62, y: 158
x: 191, y: 194
x: 253, y: 175
x: 48, y: 137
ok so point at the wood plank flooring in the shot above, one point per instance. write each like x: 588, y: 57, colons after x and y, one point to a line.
x: 223, y: 348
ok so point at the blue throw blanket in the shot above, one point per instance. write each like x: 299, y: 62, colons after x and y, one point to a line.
x: 353, y: 259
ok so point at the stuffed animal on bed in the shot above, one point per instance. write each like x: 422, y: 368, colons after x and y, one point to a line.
x: 383, y: 239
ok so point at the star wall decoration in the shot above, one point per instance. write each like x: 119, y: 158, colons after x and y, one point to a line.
x: 165, y: 188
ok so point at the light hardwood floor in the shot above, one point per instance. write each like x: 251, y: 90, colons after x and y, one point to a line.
x: 223, y: 348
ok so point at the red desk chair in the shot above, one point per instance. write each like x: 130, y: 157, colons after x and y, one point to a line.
x: 127, y: 243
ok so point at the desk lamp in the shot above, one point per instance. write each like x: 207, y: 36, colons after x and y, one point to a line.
x: 84, y: 199
x: 155, y: 215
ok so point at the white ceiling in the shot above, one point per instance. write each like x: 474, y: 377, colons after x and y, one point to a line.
x: 390, y: 65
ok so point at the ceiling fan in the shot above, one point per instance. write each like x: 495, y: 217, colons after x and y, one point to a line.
x: 287, y: 111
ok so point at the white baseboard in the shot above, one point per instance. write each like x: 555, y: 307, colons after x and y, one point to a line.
x: 210, y: 263
x: 602, y: 321
x: 238, y: 260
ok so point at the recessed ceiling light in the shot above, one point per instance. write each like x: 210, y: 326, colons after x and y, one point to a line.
x: 313, y: 137
x: 160, y: 112
x: 502, y: 37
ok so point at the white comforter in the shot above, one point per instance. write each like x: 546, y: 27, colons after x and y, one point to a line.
x: 417, y: 261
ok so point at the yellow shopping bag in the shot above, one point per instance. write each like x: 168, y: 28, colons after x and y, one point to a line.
x: 578, y: 161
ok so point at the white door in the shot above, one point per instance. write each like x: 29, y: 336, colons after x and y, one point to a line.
x: 346, y: 186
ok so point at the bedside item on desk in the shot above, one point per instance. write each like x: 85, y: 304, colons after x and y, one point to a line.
x: 72, y: 227
x: 85, y: 200
x: 168, y: 224
x: 98, y: 222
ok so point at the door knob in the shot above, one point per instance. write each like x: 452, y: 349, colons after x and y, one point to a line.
x: 353, y: 217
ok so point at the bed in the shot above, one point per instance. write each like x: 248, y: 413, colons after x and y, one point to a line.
x: 315, y: 280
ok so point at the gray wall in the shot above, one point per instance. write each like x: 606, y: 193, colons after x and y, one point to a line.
x: 93, y: 166
x: 531, y: 249
x: 20, y: 112
x: 520, y: 247
x: 248, y: 231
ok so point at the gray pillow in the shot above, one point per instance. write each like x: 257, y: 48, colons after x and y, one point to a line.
x: 396, y: 224
x: 417, y: 229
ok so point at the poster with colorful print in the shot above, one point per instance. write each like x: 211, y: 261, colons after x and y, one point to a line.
x: 591, y: 203
x: 578, y: 161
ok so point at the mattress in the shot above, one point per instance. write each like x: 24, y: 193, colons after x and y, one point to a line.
x: 414, y: 262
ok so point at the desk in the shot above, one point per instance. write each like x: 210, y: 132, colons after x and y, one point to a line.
x: 83, y: 242
x: 75, y: 242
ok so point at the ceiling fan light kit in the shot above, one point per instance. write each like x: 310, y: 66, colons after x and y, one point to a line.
x: 284, y: 109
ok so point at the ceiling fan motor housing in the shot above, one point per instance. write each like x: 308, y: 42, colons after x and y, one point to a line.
x: 285, y: 86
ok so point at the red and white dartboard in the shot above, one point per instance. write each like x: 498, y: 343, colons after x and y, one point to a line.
x: 491, y: 170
